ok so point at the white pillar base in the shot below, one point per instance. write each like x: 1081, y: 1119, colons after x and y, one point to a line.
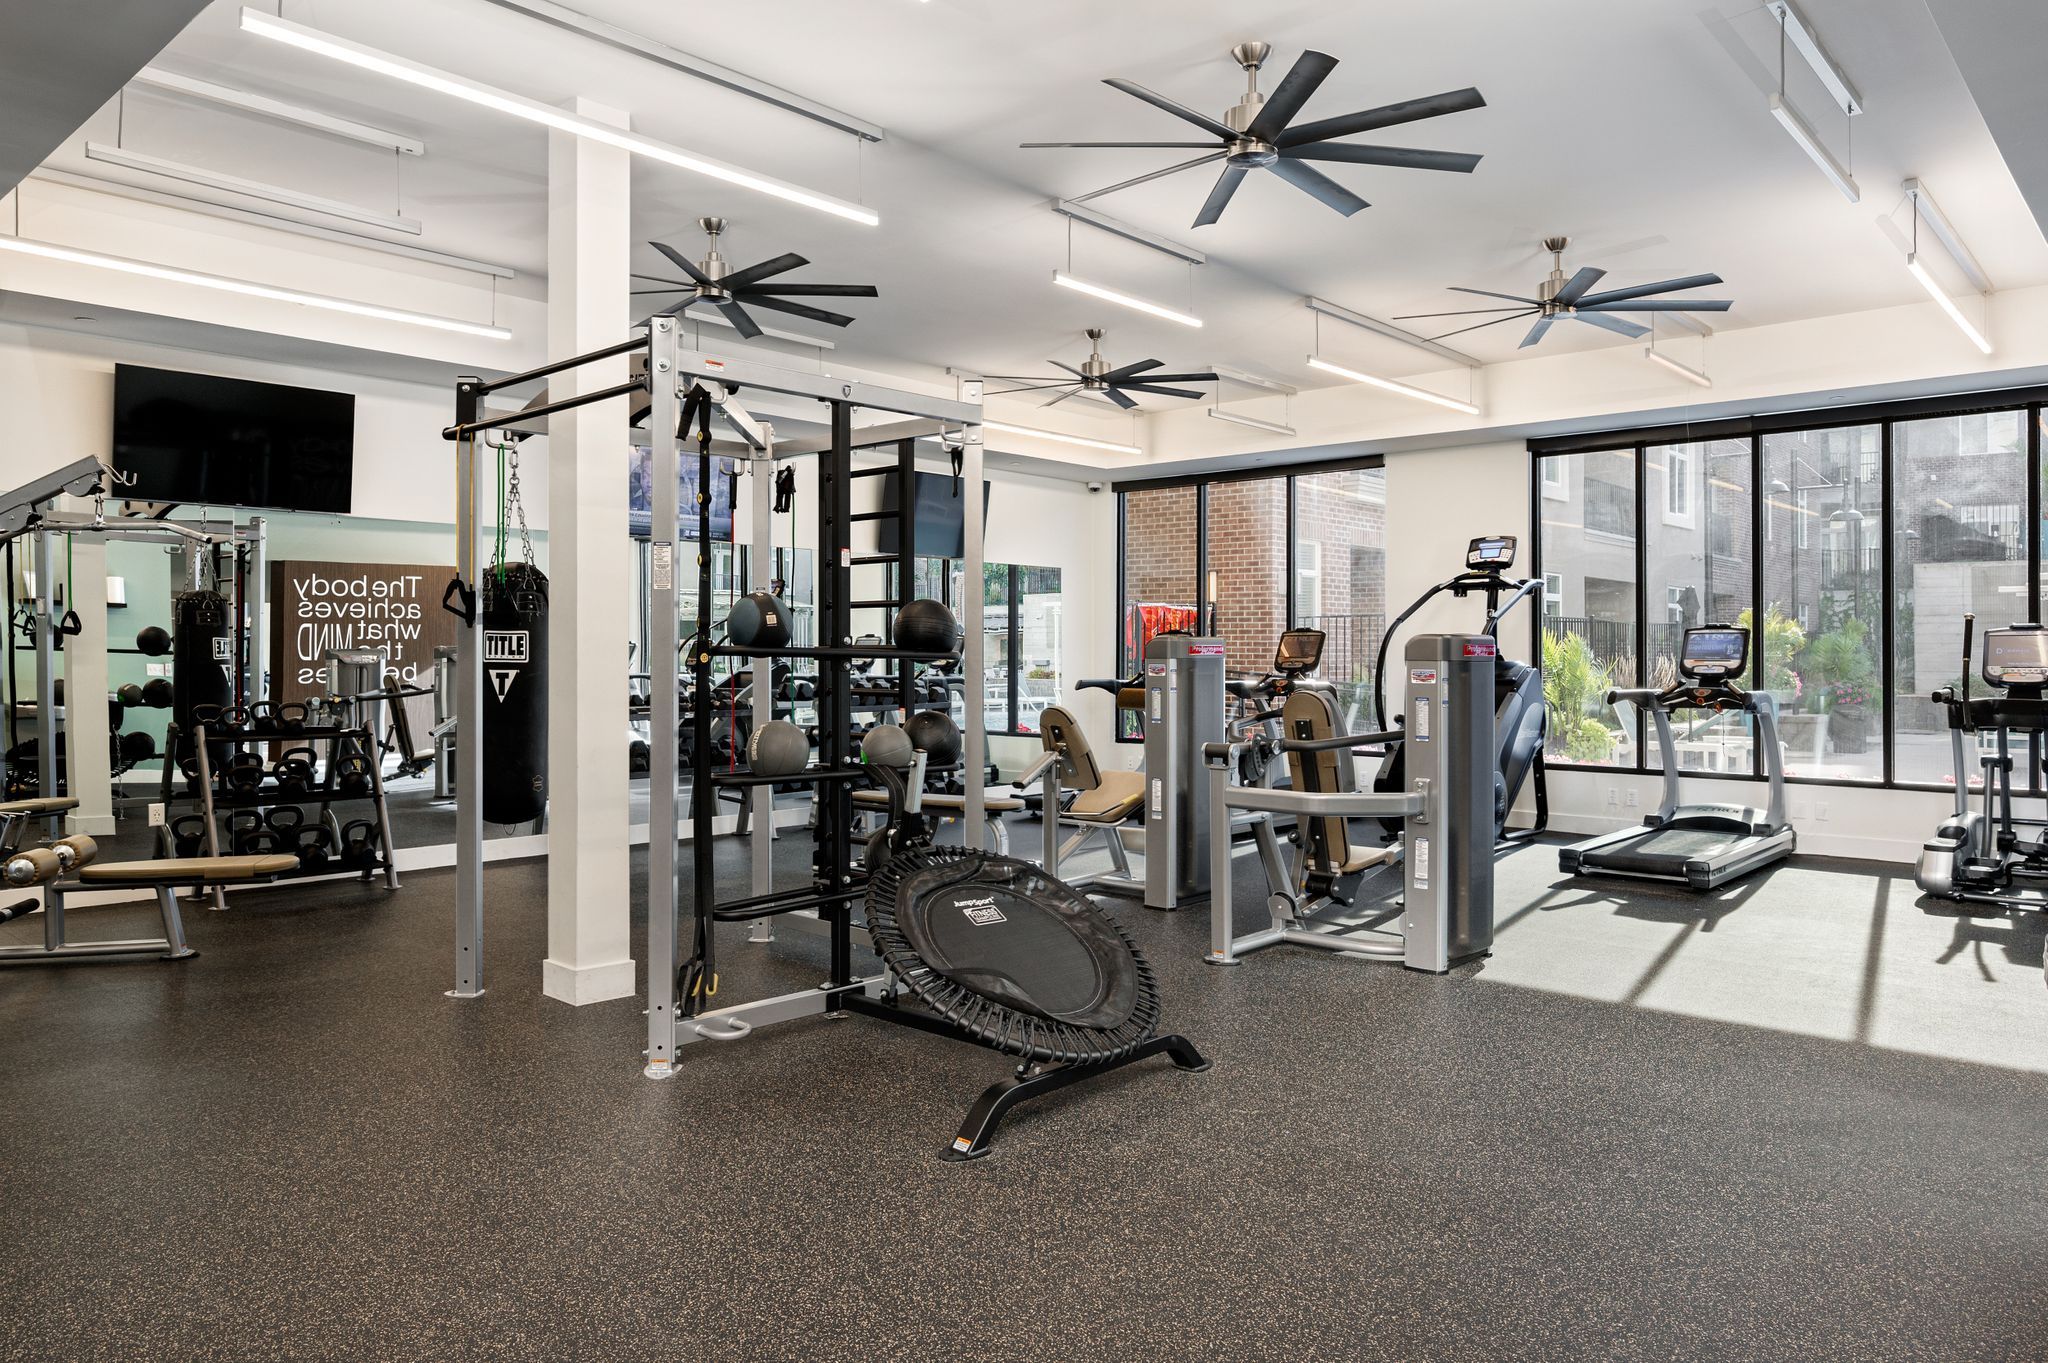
x: 588, y: 984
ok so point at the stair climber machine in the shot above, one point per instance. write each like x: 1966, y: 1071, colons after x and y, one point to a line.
x: 1518, y: 724
x: 1699, y: 846
x: 1988, y: 856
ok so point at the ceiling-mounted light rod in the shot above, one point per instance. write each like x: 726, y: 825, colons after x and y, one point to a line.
x: 123, y: 265
x: 1408, y: 390
x: 1166, y: 246
x: 518, y: 106
x: 1684, y: 371
x: 250, y: 102
x: 1807, y: 42
x: 1256, y: 423
x: 1810, y: 143
x: 1224, y: 371
x: 1938, y: 223
x: 1948, y: 305
x: 1390, y: 331
x: 254, y: 189
x: 1061, y: 437
x: 1108, y: 295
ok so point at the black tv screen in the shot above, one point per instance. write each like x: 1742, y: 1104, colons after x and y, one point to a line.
x: 938, y: 516
x: 231, y: 442
x: 640, y: 495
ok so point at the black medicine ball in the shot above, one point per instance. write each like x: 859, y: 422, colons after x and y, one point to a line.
x: 935, y: 733
x: 927, y: 626
x: 758, y: 620
x: 778, y: 748
x: 153, y: 640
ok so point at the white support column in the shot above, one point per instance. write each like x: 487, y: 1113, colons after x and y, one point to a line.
x: 590, y: 587
x: 84, y: 663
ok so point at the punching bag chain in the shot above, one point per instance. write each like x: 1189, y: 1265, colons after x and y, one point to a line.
x: 516, y: 506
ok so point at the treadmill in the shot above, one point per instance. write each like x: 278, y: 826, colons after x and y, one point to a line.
x: 1700, y: 846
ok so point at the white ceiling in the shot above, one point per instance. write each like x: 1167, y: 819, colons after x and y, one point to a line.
x: 1639, y: 129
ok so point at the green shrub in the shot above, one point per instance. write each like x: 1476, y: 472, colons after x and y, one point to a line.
x: 1575, y: 684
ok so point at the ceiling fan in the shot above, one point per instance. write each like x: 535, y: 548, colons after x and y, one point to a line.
x: 1559, y: 297
x: 1095, y: 376
x: 711, y: 281
x: 1259, y: 132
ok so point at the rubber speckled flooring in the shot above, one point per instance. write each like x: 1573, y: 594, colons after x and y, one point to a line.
x: 1758, y: 1128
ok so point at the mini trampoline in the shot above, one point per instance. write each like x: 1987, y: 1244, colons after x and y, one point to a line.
x: 1005, y: 955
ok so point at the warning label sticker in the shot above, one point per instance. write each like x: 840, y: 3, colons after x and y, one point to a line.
x: 507, y: 646
x: 661, y: 566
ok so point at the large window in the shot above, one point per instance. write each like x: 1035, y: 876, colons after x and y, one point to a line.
x: 1852, y: 548
x: 1022, y: 634
x: 1266, y: 553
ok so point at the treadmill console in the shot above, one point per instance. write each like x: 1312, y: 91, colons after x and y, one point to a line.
x: 2016, y: 656
x: 1714, y: 653
x: 1300, y: 652
x: 1491, y: 554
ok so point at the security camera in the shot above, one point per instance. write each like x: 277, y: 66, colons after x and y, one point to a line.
x: 1095, y: 487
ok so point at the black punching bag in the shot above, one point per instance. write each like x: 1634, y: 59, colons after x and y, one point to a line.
x: 203, y: 659
x: 514, y: 619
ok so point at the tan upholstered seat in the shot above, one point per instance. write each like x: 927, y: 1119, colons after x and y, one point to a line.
x: 1101, y: 797
x: 187, y: 870
x: 49, y: 804
x: 1117, y: 796
x: 1312, y: 715
x: 952, y: 804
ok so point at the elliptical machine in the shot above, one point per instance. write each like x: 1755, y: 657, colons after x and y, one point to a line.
x: 1978, y: 855
x: 1518, y: 711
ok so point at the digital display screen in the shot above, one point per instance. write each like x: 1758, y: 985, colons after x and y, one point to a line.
x: 1715, y: 652
x: 231, y: 442
x: 640, y: 495
x: 1495, y: 551
x: 2015, y: 655
x: 1300, y: 650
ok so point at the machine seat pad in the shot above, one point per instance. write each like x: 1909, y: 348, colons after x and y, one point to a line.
x: 952, y: 804
x: 48, y: 804
x: 1121, y: 794
x: 1363, y: 857
x: 184, y: 870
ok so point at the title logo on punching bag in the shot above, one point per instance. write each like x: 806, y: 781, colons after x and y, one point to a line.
x: 507, y: 646
x: 502, y: 679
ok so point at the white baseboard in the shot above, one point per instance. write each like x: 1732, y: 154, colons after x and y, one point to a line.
x: 579, y: 985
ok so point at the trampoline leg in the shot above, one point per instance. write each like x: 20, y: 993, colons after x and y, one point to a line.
x: 978, y: 1129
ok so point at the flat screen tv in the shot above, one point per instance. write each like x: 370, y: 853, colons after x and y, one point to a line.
x: 938, y: 516
x: 640, y: 495
x: 231, y: 442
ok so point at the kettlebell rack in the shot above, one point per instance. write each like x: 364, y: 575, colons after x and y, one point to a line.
x: 217, y: 801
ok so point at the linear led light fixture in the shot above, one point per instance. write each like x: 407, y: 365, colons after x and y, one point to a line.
x: 1393, y: 386
x: 1166, y: 246
x: 1061, y: 437
x: 1937, y: 222
x: 1256, y: 423
x: 1810, y: 144
x: 1803, y: 38
x: 254, y: 189
x: 250, y: 102
x: 1067, y: 281
x: 1224, y: 371
x: 504, y: 102
x: 1684, y: 371
x: 123, y: 265
x: 1389, y: 330
x: 1948, y: 305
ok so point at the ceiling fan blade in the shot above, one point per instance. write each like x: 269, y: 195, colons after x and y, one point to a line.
x: 737, y: 315
x: 1181, y: 378
x: 1062, y: 364
x: 1163, y: 392
x: 1123, y: 372
x: 1489, y: 293
x: 1575, y: 288
x: 1481, y: 326
x: 1308, y: 73
x: 681, y: 262
x: 739, y: 279
x: 1386, y: 116
x: 1029, y: 388
x: 1180, y: 111
x: 1659, y: 305
x: 1318, y: 186
x: 832, y: 319
x: 1363, y: 154
x: 812, y: 290
x: 1190, y: 145
x: 685, y: 288
x: 677, y: 309
x: 1537, y: 332
x: 1116, y: 395
x: 1691, y: 281
x: 1219, y: 197
x: 1054, y: 402
x: 1611, y: 323
x: 1462, y: 312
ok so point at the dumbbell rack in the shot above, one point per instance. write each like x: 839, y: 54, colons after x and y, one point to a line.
x: 212, y: 803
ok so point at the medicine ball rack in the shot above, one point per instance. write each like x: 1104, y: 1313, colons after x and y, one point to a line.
x: 212, y: 803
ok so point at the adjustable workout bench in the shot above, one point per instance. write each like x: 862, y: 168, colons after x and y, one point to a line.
x: 1104, y: 801
x: 69, y: 865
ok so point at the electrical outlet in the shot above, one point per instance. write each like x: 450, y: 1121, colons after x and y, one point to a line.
x: 1630, y: 800
x: 1613, y: 797
x: 156, y: 814
x: 1820, y: 810
x: 158, y: 669
x: 1796, y: 809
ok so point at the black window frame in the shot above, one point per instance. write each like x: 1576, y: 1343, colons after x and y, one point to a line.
x: 2031, y: 401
